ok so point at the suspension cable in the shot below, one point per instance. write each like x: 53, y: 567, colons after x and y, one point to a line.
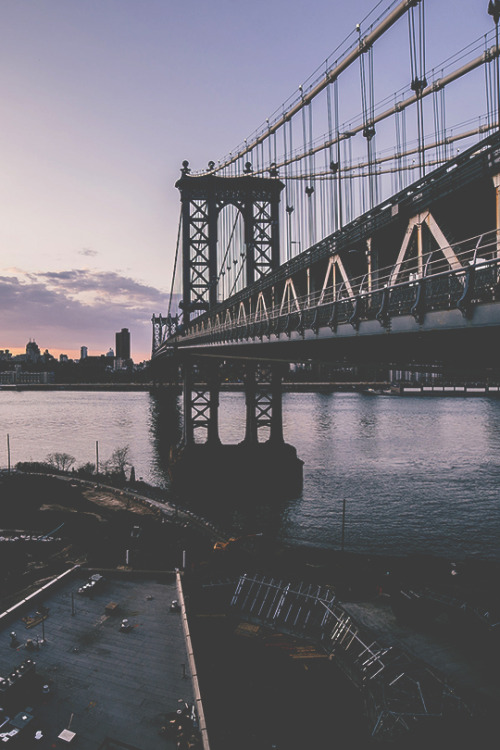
x: 354, y: 51
x: 447, y: 140
x: 175, y: 264
x: 349, y: 132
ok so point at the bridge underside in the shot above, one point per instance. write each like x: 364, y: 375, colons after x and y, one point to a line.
x: 444, y: 338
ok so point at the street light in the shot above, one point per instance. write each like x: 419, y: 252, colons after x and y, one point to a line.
x: 343, y: 526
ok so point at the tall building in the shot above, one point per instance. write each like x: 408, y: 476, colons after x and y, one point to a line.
x: 122, y: 340
x: 32, y: 352
x: 84, y: 352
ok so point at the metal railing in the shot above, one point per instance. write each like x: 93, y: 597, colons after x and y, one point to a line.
x: 423, y: 284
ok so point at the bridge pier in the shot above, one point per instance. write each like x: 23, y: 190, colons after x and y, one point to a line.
x: 269, y: 469
x: 263, y: 400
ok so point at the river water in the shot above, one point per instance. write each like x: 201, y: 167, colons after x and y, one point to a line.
x: 420, y: 475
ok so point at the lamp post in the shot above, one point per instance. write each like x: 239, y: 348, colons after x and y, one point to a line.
x: 343, y: 526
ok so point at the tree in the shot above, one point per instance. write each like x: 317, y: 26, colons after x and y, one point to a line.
x: 60, y: 461
x: 118, y: 461
x: 87, y: 469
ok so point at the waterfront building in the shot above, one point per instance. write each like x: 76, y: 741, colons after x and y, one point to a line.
x: 23, y: 377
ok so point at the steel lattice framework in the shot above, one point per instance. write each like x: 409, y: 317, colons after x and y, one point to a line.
x: 400, y: 691
x: 203, y: 198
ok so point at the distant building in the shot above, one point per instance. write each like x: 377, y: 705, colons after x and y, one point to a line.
x: 32, y: 352
x: 47, y: 357
x: 20, y: 377
x: 110, y: 353
x: 122, y: 340
x: 84, y: 352
x: 63, y: 358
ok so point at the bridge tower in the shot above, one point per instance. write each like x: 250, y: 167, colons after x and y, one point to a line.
x: 202, y: 199
x: 230, y: 466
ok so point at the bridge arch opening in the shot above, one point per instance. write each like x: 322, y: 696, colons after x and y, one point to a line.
x: 231, y: 251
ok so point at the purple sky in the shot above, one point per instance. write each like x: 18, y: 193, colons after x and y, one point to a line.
x: 102, y: 100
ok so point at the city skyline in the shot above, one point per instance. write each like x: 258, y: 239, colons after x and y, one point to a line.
x: 83, y: 350
x: 103, y: 102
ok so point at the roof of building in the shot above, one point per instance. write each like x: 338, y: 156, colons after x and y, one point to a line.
x: 109, y: 686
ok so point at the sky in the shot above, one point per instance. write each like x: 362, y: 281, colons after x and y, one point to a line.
x: 102, y: 100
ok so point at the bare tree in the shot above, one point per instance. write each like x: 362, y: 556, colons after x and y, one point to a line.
x: 60, y: 461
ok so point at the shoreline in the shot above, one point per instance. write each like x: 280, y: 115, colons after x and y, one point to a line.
x: 368, y: 388
x: 299, y: 387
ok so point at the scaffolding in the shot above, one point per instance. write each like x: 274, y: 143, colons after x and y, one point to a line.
x: 400, y: 691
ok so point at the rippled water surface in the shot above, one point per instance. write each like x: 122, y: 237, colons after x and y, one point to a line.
x: 419, y: 475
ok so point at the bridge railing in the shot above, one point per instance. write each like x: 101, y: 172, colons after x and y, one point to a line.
x: 422, y: 284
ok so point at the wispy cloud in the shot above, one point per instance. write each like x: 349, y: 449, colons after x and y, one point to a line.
x: 66, y: 309
x: 88, y: 252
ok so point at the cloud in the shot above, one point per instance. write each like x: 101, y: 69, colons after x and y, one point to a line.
x: 66, y: 309
x: 87, y: 251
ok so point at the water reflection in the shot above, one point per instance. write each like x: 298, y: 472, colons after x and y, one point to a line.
x: 420, y: 475
x: 166, y: 429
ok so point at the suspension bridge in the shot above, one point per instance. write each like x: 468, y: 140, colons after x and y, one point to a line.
x: 340, y: 235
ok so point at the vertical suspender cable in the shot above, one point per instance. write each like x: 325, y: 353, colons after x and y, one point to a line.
x: 444, y: 150
x: 399, y: 151
x: 305, y: 186
x: 367, y: 105
x: 487, y: 85
x: 418, y: 80
x: 310, y: 192
x: 437, y: 132
x: 494, y: 11
x: 291, y: 201
x: 331, y: 164
x: 339, y: 162
x: 288, y: 206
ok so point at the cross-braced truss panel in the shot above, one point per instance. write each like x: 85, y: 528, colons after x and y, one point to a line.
x: 199, y: 251
x: 262, y: 238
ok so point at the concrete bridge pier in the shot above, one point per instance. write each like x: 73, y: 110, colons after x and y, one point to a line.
x: 208, y: 469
